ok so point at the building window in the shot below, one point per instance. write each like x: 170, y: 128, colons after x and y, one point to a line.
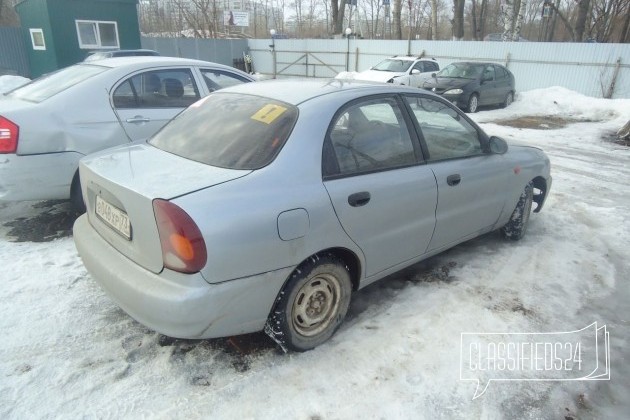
x: 37, y: 39
x: 97, y: 34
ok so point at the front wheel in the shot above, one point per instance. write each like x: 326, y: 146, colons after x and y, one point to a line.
x: 312, y: 304
x: 515, y: 228
x: 473, y: 103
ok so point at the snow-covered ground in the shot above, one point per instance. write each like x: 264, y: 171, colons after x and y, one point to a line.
x: 66, y: 351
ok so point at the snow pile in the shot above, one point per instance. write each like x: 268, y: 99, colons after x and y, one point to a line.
x: 561, y: 102
x: 8, y: 83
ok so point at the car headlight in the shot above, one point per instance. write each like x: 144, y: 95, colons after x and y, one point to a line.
x: 453, y: 92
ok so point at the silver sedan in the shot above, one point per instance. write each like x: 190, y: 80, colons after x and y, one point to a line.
x: 264, y: 206
x: 49, y: 124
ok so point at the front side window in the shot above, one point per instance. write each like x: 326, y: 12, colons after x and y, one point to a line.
x: 219, y: 79
x: 229, y: 130
x: 369, y: 136
x: 97, y: 34
x: 488, y: 73
x: 446, y: 133
x: 174, y: 88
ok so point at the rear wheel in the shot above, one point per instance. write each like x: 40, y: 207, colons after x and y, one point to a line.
x: 473, y: 103
x: 516, y: 227
x: 509, y: 98
x: 312, y: 304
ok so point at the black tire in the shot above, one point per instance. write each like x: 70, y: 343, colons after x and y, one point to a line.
x: 509, y: 98
x: 516, y: 227
x: 473, y: 103
x: 76, y: 196
x: 312, y: 304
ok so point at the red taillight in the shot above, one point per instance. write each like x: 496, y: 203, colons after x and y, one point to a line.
x: 183, y: 247
x: 9, y: 133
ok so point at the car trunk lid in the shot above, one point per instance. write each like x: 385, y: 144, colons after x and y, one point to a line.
x: 120, y: 184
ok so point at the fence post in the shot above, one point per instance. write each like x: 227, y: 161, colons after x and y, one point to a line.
x: 507, y: 60
x: 611, y: 88
x: 356, y: 60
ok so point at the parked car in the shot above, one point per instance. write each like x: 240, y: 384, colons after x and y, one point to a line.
x: 400, y: 70
x: 99, y: 55
x: 47, y: 125
x: 267, y: 205
x: 470, y: 85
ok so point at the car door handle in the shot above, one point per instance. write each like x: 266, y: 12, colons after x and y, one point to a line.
x: 453, y: 180
x: 359, y: 199
x: 138, y: 119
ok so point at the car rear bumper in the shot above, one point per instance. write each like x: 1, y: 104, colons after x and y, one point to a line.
x: 175, y: 304
x: 37, y: 177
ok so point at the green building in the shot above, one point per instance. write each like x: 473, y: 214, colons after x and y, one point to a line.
x: 62, y: 32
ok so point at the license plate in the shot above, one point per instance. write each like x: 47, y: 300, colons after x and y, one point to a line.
x: 114, y: 217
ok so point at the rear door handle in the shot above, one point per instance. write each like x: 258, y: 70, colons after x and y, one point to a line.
x: 453, y: 180
x: 138, y: 119
x: 359, y: 199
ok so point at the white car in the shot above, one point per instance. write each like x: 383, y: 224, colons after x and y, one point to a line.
x: 47, y: 125
x: 400, y: 70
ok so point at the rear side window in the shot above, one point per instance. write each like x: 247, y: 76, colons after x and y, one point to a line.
x: 368, y: 136
x: 229, y: 130
x: 173, y: 88
x: 46, y: 86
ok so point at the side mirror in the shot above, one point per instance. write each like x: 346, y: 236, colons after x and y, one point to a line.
x: 415, y: 71
x: 486, y: 79
x: 434, y: 75
x: 498, y: 146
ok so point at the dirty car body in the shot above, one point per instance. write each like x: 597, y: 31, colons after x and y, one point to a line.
x: 47, y: 125
x: 270, y: 216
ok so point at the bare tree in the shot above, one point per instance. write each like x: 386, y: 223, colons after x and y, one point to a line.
x: 580, y: 23
x: 624, y: 36
x: 337, y: 8
x: 508, y: 20
x: 396, y: 19
x: 478, y: 18
x: 434, y: 20
x: 458, y: 19
x: 516, y: 33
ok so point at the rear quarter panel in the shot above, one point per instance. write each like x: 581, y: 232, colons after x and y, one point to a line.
x: 239, y: 219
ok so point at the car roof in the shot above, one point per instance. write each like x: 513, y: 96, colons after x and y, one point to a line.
x: 144, y: 60
x: 482, y: 63
x: 410, y: 58
x: 297, y: 91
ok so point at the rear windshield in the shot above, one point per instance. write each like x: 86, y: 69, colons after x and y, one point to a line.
x: 46, y: 86
x: 229, y: 130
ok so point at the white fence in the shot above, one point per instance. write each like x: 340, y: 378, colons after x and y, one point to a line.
x: 589, y: 68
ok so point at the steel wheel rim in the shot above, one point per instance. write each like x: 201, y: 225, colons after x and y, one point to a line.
x: 316, y: 305
x: 473, y: 103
